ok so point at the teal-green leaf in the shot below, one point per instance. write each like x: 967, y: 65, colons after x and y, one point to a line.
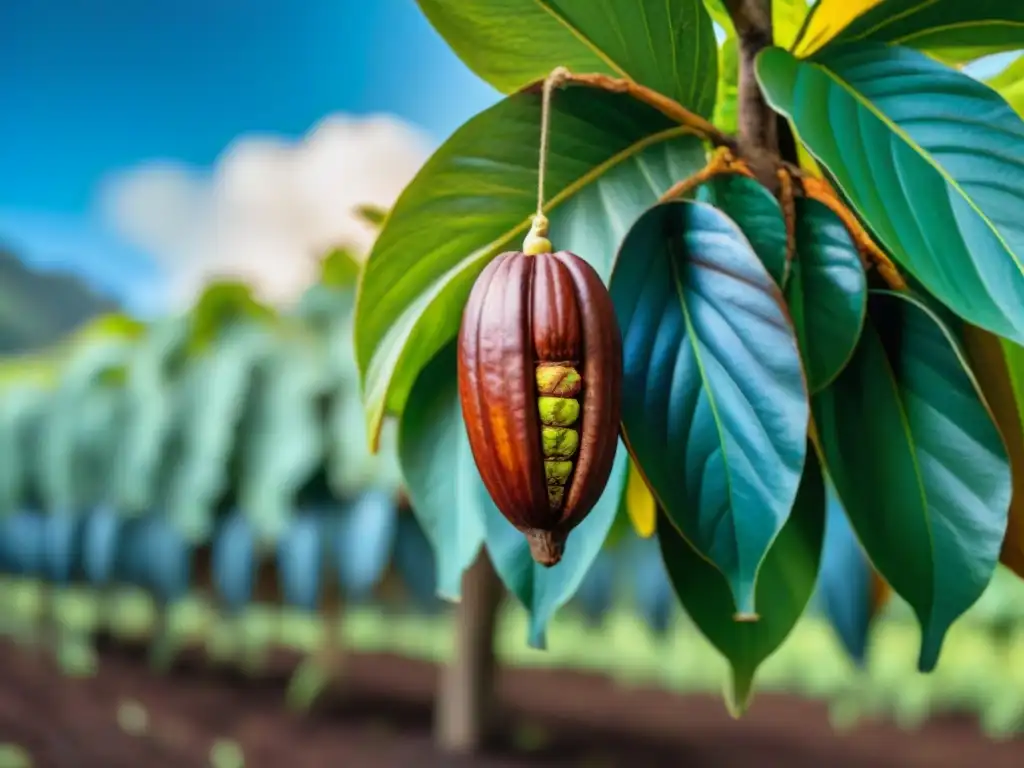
x: 714, y: 405
x: 542, y: 591
x: 610, y: 157
x: 216, y: 392
x: 918, y: 463
x: 784, y: 587
x: 827, y: 293
x: 757, y: 213
x: 964, y: 29
x: 444, y: 486
x: 932, y: 159
x: 667, y: 45
x: 285, y: 442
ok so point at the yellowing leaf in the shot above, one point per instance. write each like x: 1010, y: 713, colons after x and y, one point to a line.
x: 988, y: 360
x: 828, y: 18
x: 787, y: 19
x: 640, y: 503
x: 1010, y: 84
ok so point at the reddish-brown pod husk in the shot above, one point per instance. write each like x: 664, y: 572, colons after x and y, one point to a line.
x: 540, y: 373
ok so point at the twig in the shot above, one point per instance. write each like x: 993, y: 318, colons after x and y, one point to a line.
x: 722, y: 161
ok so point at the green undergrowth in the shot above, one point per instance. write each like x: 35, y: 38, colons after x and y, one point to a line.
x: 981, y: 670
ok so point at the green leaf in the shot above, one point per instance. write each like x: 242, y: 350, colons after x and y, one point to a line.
x: 152, y: 398
x: 667, y: 45
x: 827, y: 293
x: 944, y: 200
x: 714, y: 404
x: 787, y: 19
x: 610, y: 158
x: 961, y: 29
x: 726, y: 114
x: 444, y: 486
x: 216, y: 391
x: 757, y: 213
x: 918, y: 463
x: 286, y: 442
x: 542, y: 591
x: 716, y: 10
x: 784, y: 586
x: 1010, y: 84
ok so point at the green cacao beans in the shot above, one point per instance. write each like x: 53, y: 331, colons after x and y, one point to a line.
x: 540, y: 372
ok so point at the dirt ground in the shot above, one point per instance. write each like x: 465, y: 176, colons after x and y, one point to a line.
x: 383, y: 721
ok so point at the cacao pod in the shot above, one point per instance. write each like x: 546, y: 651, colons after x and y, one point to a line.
x: 540, y: 376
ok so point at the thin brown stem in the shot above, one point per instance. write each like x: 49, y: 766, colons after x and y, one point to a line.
x: 668, y: 107
x: 722, y: 161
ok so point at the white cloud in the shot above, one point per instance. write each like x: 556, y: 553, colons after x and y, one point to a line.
x: 269, y: 210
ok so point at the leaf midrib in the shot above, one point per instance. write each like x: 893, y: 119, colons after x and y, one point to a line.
x: 926, y: 156
x: 545, y: 6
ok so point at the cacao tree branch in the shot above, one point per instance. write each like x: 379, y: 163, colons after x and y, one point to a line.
x: 758, y: 124
x: 722, y: 161
x: 668, y: 107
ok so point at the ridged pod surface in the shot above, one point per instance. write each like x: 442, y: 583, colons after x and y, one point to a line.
x: 540, y: 376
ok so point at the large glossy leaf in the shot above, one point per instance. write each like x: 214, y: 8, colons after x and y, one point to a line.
x: 992, y: 361
x: 945, y: 201
x: 510, y: 43
x: 610, y: 157
x: 952, y: 29
x: 918, y: 463
x: 542, y: 591
x: 757, y: 213
x: 444, y: 486
x: 827, y: 293
x: 714, y: 404
x: 783, y: 590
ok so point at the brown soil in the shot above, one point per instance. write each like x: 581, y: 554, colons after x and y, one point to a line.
x: 384, y: 719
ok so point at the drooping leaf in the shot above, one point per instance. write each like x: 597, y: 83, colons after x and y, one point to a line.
x: 784, y: 586
x: 640, y: 504
x: 610, y: 157
x: 991, y: 361
x: 300, y: 561
x: 99, y: 545
x: 597, y: 590
x: 234, y: 563
x: 22, y: 539
x: 542, y: 591
x: 286, y: 443
x: 414, y: 559
x: 167, y: 558
x: 714, y: 404
x: 61, y: 547
x: 845, y: 588
x: 217, y: 386
x: 444, y: 486
x: 758, y: 215
x: 153, y: 403
x: 917, y: 463
x: 827, y: 293
x: 364, y: 536
x: 956, y: 30
x: 944, y: 201
x: 511, y: 43
x: 652, y: 590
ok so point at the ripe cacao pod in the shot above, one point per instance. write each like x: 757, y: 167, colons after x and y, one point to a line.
x: 540, y: 376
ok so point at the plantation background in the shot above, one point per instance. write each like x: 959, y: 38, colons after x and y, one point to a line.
x: 201, y: 563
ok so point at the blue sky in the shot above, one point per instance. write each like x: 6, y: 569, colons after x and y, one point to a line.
x: 90, y: 87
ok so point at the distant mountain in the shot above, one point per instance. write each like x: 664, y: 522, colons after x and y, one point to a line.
x: 39, y: 308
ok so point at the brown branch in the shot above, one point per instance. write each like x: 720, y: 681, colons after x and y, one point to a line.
x: 787, y: 201
x: 663, y: 104
x: 758, y: 124
x: 722, y: 161
x: 871, y: 254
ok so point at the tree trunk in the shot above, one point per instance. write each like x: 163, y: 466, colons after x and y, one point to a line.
x: 466, y: 696
x: 758, y: 124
